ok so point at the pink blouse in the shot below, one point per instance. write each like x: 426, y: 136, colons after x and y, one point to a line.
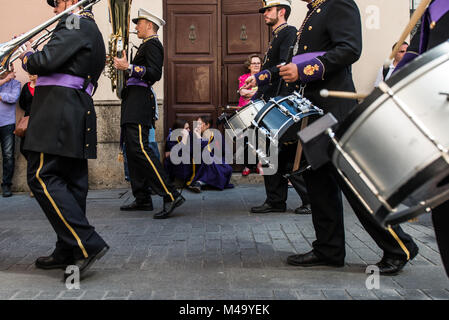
x: 242, y: 79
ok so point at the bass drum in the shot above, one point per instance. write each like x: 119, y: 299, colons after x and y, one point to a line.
x: 393, y: 148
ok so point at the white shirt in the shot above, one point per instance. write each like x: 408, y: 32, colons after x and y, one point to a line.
x: 380, y: 75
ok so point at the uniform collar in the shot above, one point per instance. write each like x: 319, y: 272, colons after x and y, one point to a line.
x: 279, y: 28
x: 314, y: 4
x: 154, y: 36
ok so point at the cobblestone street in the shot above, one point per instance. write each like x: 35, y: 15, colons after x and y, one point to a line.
x: 212, y: 248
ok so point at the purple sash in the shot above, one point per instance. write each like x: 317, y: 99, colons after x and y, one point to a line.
x: 438, y: 9
x: 136, y: 82
x: 300, y: 58
x: 64, y: 80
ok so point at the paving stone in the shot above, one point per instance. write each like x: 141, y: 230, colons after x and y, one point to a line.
x: 336, y: 294
x: 387, y: 294
x: 93, y: 295
x: 412, y: 294
x: 437, y: 294
x: 285, y: 295
x: 25, y: 295
x: 361, y: 294
x: 310, y: 294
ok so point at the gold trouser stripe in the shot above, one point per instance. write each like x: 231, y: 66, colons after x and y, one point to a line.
x: 395, y: 236
x: 152, y: 164
x: 193, y: 174
x: 210, y: 141
x: 56, y: 207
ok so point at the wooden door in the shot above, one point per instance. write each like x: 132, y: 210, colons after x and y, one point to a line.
x: 206, y: 43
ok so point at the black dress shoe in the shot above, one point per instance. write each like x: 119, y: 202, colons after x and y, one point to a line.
x: 195, y: 187
x: 304, y: 209
x: 169, y: 207
x: 309, y: 259
x: 392, y: 266
x: 6, y: 191
x: 135, y: 206
x: 266, y: 207
x: 84, y: 264
x: 50, y: 262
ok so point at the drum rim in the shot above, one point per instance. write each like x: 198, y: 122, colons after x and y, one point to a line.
x: 410, y: 187
x: 416, y: 64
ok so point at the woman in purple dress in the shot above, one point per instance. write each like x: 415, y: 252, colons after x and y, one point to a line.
x: 218, y: 173
x: 181, y: 171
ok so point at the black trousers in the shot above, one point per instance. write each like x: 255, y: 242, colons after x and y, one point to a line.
x: 145, y: 169
x: 325, y: 186
x: 440, y: 218
x: 60, y: 186
x: 276, y: 186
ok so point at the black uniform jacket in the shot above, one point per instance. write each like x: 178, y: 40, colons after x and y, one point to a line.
x: 138, y: 103
x: 62, y: 120
x: 333, y: 26
x: 283, y: 38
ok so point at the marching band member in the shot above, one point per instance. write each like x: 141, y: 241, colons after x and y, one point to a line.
x: 276, y: 14
x: 62, y: 135
x: 329, y: 42
x: 138, y: 111
x: 433, y: 32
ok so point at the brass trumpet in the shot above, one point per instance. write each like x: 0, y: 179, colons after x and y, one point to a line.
x: 10, y: 51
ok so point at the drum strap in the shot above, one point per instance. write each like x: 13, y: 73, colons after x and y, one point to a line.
x: 298, y: 156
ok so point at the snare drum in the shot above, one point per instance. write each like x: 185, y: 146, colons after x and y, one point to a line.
x: 279, y: 121
x: 393, y: 148
x: 242, y: 119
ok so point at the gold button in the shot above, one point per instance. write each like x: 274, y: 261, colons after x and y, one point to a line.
x: 268, y: 59
x: 286, y: 84
x: 433, y: 24
x: 305, y: 48
x: 297, y: 87
x: 88, y: 129
x: 87, y: 145
x: 271, y: 47
x: 318, y: 11
x: 310, y: 28
x: 88, y: 112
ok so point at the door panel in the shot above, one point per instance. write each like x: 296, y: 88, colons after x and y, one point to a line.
x: 191, y: 77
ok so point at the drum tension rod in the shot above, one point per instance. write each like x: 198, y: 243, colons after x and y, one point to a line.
x: 445, y: 94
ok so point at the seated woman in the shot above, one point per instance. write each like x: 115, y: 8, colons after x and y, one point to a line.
x: 215, y: 175
x: 254, y: 64
x: 182, y: 171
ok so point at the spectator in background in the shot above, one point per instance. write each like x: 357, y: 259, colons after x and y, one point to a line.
x: 385, y: 73
x: 25, y: 101
x: 9, y: 94
x: 253, y: 63
x: 182, y: 171
x: 215, y: 175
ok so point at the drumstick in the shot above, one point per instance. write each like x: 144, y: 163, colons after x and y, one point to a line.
x: 342, y: 94
x: 232, y: 108
x: 419, y: 12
